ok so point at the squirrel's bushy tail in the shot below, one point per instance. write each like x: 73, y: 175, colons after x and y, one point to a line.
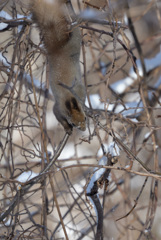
x: 53, y: 21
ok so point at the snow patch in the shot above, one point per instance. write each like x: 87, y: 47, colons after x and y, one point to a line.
x: 26, y: 176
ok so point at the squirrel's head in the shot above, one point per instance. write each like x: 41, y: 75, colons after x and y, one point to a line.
x: 76, y: 116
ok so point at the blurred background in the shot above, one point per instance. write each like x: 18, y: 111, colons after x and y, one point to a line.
x: 121, y: 69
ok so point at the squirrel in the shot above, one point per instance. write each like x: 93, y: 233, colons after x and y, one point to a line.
x: 62, y: 44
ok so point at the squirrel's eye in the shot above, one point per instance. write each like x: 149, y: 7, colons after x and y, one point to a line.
x: 68, y: 105
x: 75, y: 104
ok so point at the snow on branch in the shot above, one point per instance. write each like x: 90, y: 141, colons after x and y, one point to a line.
x: 99, y: 177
